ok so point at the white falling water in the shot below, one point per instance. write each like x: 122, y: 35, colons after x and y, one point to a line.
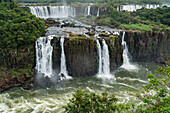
x: 53, y: 11
x: 126, y: 60
x: 44, y: 51
x: 87, y: 10
x: 135, y: 7
x: 63, y: 68
x: 105, y: 58
x: 100, y: 57
x: 104, y: 61
x: 98, y: 11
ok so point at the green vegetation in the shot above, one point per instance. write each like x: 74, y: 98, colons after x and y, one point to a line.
x: 135, y: 26
x: 18, y: 32
x: 17, y: 27
x: 75, y: 37
x: 159, y: 15
x: 143, y: 19
x: 83, y: 102
x: 155, y: 97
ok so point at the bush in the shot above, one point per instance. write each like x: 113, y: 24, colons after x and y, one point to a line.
x: 83, y: 102
x: 155, y: 97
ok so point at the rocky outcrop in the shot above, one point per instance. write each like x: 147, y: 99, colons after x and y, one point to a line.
x: 82, y: 57
x: 148, y: 46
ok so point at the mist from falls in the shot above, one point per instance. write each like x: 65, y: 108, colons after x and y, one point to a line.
x: 53, y: 11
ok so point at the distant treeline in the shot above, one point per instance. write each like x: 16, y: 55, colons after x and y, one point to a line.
x: 97, y: 1
x: 156, y: 19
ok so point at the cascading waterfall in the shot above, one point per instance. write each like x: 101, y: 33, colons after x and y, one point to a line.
x: 100, y: 57
x: 53, y: 11
x: 105, y: 58
x: 44, y: 51
x: 87, y: 10
x: 63, y: 68
x: 126, y: 60
x: 104, y: 61
x: 98, y: 11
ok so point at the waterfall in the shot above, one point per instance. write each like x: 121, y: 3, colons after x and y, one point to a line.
x: 105, y: 58
x: 87, y: 10
x: 63, y: 68
x: 100, y: 57
x: 98, y: 11
x: 126, y: 60
x: 135, y: 7
x: 44, y: 51
x: 104, y: 61
x: 53, y: 11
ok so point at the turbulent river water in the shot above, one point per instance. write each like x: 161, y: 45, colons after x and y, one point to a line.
x: 17, y: 100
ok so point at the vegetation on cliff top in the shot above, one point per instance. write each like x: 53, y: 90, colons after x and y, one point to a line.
x: 142, y: 19
x: 17, y: 27
x: 155, y: 98
x: 18, y: 33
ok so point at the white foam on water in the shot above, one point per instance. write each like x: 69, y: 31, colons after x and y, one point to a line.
x: 133, y: 79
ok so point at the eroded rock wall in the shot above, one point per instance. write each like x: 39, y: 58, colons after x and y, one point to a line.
x: 82, y: 55
x: 148, y: 46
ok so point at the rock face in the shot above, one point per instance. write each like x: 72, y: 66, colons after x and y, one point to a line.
x: 82, y: 56
x: 148, y: 46
x: 17, y: 67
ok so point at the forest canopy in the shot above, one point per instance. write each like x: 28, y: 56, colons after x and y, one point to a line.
x: 97, y: 1
x: 17, y: 27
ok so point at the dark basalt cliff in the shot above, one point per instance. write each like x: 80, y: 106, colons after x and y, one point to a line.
x: 17, y: 67
x: 82, y: 56
x: 148, y: 46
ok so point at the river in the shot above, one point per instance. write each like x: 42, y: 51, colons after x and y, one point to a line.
x: 17, y: 100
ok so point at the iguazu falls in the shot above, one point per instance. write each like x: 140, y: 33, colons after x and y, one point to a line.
x: 84, y: 56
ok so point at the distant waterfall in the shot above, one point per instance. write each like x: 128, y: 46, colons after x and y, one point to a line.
x: 135, y: 7
x: 126, y: 60
x: 104, y: 61
x: 87, y: 10
x: 98, y: 11
x: 63, y: 68
x: 44, y: 51
x: 53, y: 11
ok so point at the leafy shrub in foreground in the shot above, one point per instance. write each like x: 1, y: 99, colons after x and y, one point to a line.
x: 156, y: 94
x: 155, y: 97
